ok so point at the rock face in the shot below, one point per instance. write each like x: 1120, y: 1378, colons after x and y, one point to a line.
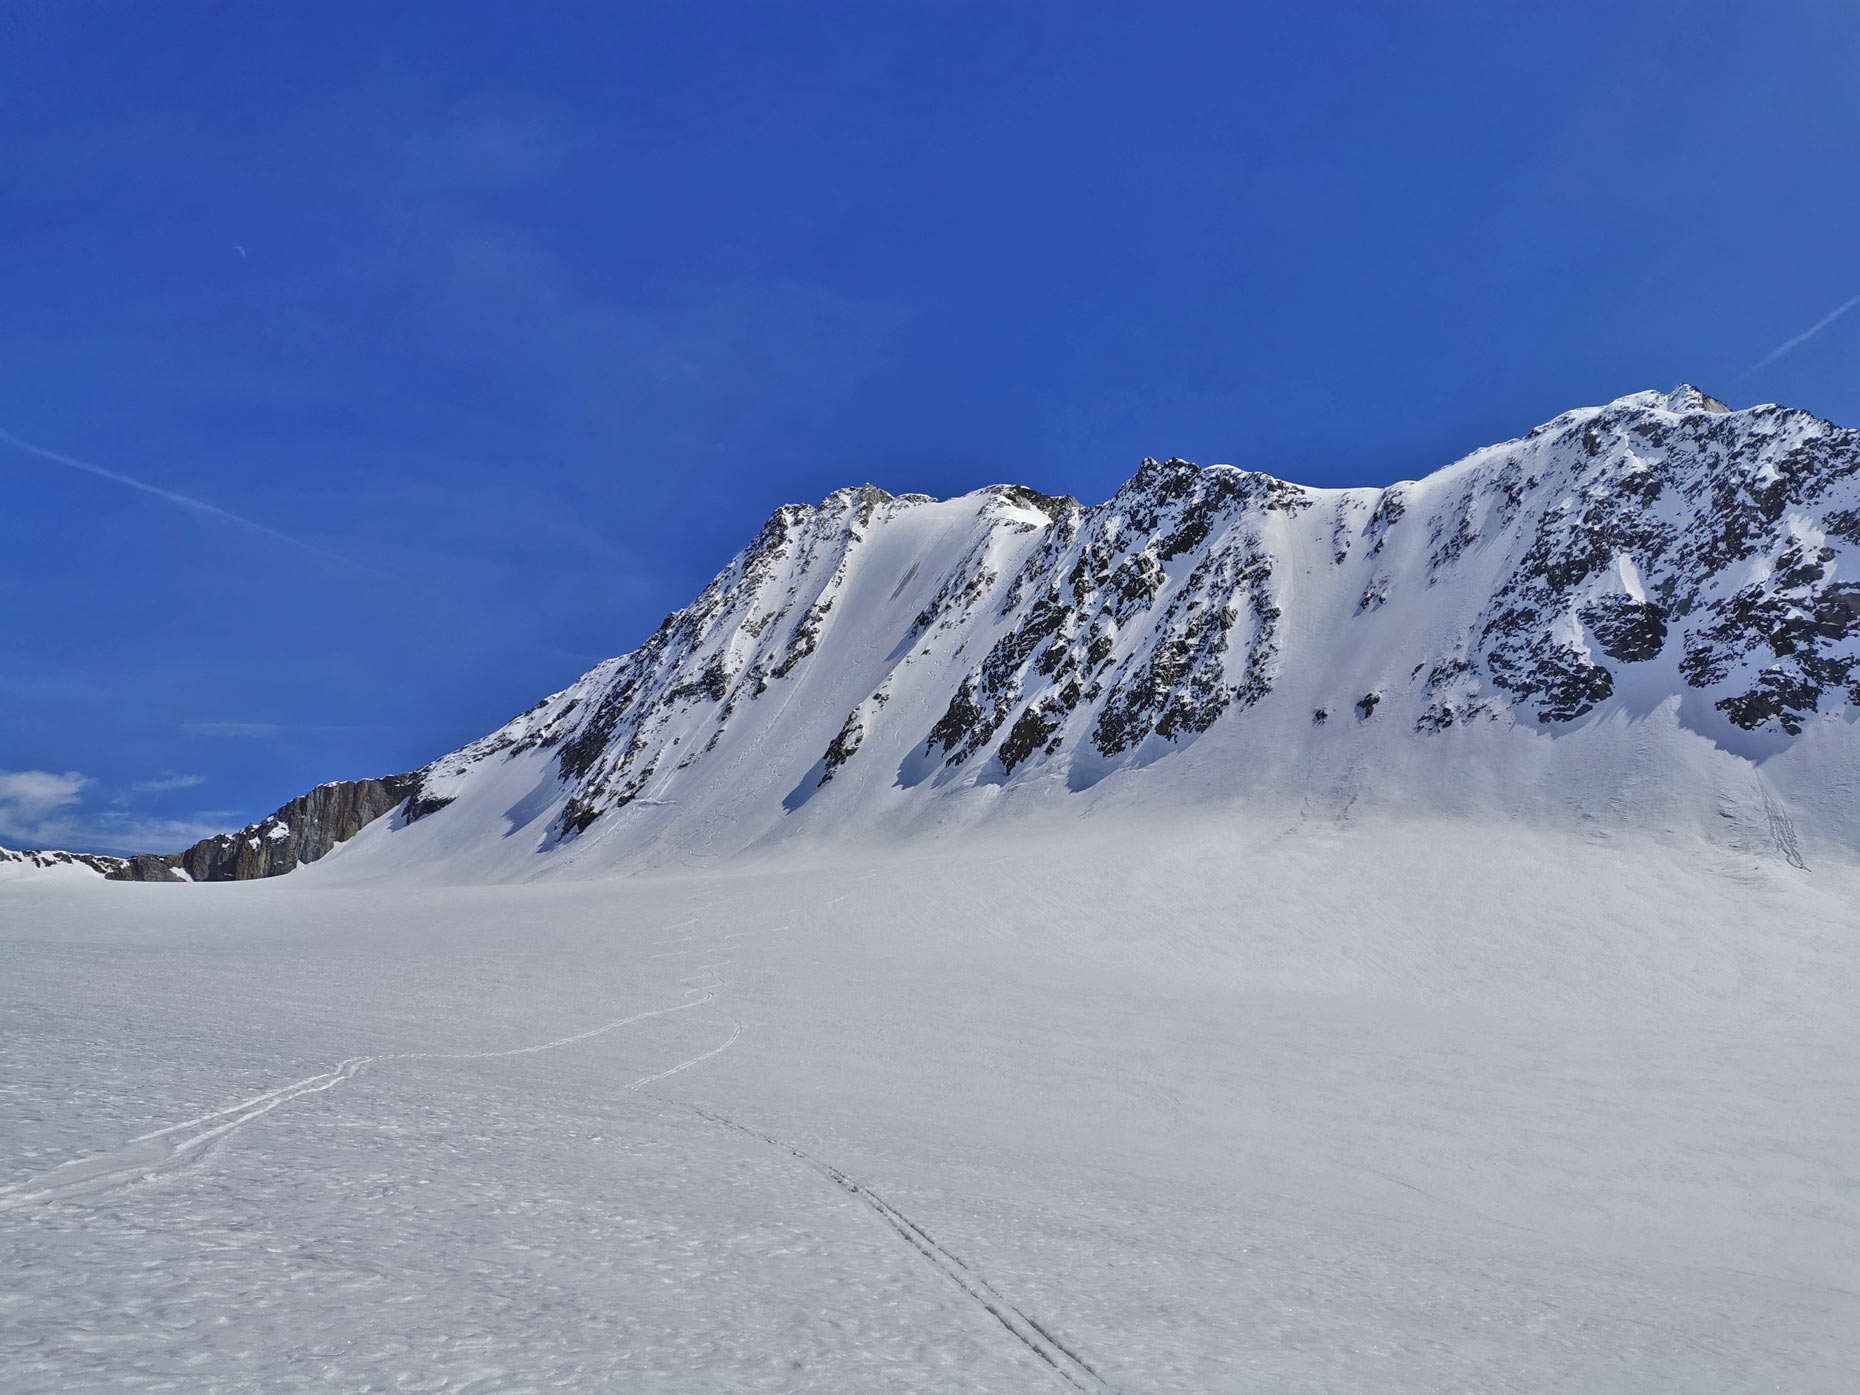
x: 874, y: 652
x: 1676, y: 521
x: 302, y: 831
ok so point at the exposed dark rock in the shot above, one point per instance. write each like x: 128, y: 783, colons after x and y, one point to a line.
x: 1629, y: 630
x: 304, y: 830
x: 1054, y: 506
x: 1388, y: 512
x: 150, y: 867
x: 843, y: 746
x: 579, y: 814
x: 955, y: 731
x: 1028, y: 734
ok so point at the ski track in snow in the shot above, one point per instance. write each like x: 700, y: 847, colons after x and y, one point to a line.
x: 151, y: 1155
x: 163, y: 1151
x: 1064, y: 1363
x: 1782, y: 828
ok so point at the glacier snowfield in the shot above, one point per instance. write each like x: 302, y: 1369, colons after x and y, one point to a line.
x: 1167, y: 1105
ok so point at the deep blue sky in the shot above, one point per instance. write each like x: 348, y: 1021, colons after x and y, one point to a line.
x: 507, y: 325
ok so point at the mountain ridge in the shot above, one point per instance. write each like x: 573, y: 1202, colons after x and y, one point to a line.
x: 1660, y: 551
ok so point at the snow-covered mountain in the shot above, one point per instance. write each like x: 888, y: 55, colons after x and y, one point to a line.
x: 1645, y: 613
x: 1643, y: 610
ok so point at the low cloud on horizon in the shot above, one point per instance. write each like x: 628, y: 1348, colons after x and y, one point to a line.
x: 43, y: 809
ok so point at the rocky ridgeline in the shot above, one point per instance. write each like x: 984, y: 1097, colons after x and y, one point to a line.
x: 1710, y: 551
x: 304, y: 830
x: 1661, y: 528
x: 48, y: 861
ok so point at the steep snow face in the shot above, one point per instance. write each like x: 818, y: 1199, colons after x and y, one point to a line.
x: 1658, y: 592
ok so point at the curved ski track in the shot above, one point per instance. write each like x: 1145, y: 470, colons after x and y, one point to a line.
x: 150, y: 1155
x: 165, y: 1150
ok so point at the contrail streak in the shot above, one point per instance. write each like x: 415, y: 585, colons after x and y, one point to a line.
x: 200, y: 506
x: 1800, y: 339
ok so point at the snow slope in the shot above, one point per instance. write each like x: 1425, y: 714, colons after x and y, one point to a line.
x: 1210, y: 1105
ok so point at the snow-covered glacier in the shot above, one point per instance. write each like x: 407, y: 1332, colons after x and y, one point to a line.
x: 1236, y: 937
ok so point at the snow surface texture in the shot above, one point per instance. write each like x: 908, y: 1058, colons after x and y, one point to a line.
x: 1222, y: 1105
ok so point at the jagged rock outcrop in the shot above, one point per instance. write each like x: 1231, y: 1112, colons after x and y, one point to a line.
x: 302, y: 831
x: 149, y: 867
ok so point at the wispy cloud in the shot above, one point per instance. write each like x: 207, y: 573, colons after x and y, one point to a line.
x: 161, y: 784
x: 187, y: 501
x: 41, y: 809
x: 167, y: 782
x: 1801, y: 338
x: 29, y: 797
x: 266, y: 731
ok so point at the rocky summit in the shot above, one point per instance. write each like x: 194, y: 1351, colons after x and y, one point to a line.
x: 1660, y: 593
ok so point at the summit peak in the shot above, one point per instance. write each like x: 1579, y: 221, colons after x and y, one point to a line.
x: 1687, y: 399
x: 1684, y: 400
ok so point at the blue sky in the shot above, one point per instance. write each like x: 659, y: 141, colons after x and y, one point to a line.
x: 432, y: 352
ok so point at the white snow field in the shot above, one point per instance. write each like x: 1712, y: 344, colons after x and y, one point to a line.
x: 1144, y: 1104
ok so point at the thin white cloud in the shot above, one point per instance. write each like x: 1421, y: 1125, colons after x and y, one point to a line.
x: 40, y: 809
x: 266, y: 731
x: 167, y: 782
x: 161, y: 784
x: 1801, y: 338
x: 29, y: 797
x: 187, y: 501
